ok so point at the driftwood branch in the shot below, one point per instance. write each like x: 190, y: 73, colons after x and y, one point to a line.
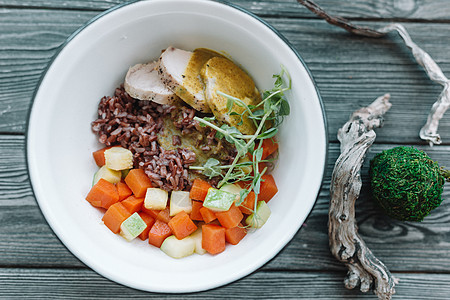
x: 364, y: 269
x: 434, y: 72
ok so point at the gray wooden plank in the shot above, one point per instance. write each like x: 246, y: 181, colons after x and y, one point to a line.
x: 339, y: 62
x: 437, y: 10
x: 83, y: 284
x: 27, y: 240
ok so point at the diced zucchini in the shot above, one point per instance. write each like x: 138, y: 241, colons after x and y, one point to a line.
x: 197, y: 236
x: 248, y: 168
x: 218, y: 200
x: 125, y: 173
x: 118, y: 158
x: 156, y: 199
x: 107, y: 174
x: 178, y: 248
x: 232, y: 188
x: 132, y: 227
x: 260, y: 216
x: 179, y: 201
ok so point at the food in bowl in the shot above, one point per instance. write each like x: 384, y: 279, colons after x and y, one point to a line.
x: 189, y: 145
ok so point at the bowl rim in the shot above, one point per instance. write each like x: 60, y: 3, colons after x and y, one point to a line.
x: 131, y: 2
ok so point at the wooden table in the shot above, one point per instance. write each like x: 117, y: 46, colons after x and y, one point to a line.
x: 350, y: 72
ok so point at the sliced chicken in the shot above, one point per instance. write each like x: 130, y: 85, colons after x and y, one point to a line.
x: 143, y: 82
x: 221, y: 74
x: 180, y: 72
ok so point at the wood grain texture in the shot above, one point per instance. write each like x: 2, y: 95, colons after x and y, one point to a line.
x: 437, y: 10
x: 339, y: 62
x: 27, y: 240
x: 71, y: 284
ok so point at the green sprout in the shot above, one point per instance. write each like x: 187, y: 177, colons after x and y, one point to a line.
x: 406, y: 183
x: 267, y: 117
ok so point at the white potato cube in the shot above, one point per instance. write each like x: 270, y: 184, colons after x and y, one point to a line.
x: 132, y: 227
x: 118, y: 158
x: 260, y: 216
x: 178, y: 248
x: 197, y: 236
x: 179, y: 201
x: 156, y: 199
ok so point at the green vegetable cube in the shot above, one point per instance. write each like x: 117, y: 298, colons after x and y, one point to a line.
x: 132, y: 227
x: 260, y: 216
x: 231, y: 188
x: 218, y: 200
x: 107, y: 174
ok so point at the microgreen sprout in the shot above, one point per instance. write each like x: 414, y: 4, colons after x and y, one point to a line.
x: 267, y: 116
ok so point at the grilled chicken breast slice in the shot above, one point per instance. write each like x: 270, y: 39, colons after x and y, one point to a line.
x: 143, y: 82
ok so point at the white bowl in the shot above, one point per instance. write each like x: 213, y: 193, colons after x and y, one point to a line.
x: 92, y: 63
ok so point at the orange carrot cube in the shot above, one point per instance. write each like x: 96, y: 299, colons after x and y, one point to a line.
x: 149, y: 221
x: 123, y: 190
x: 199, y: 189
x: 231, y: 217
x: 235, y: 235
x: 181, y: 225
x: 133, y: 204
x: 213, y: 238
x: 158, y: 233
x: 103, y: 194
x: 195, y: 213
x: 138, y: 182
x: 207, y: 215
x: 114, y: 216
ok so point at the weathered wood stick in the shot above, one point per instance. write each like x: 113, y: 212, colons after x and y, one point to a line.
x: 364, y: 269
x: 429, y: 131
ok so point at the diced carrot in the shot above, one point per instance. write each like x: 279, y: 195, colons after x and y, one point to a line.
x: 158, y: 233
x: 244, y: 184
x: 231, y: 217
x: 207, y: 214
x: 103, y: 194
x: 268, y: 188
x: 149, y: 221
x: 152, y: 212
x: 235, y: 235
x: 99, y: 156
x: 269, y: 147
x: 164, y: 215
x: 213, y: 238
x: 133, y: 204
x: 195, y: 213
x: 138, y: 182
x: 248, y: 205
x: 114, y: 216
x: 124, y: 190
x: 199, y: 189
x: 182, y: 225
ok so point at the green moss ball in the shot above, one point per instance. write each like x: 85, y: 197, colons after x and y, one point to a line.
x: 406, y: 183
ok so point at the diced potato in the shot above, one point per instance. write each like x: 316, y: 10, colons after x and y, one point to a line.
x: 260, y: 216
x: 132, y: 227
x: 217, y: 200
x: 197, y: 236
x: 156, y: 199
x: 118, y: 158
x: 179, y: 201
x: 107, y: 174
x: 178, y: 248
